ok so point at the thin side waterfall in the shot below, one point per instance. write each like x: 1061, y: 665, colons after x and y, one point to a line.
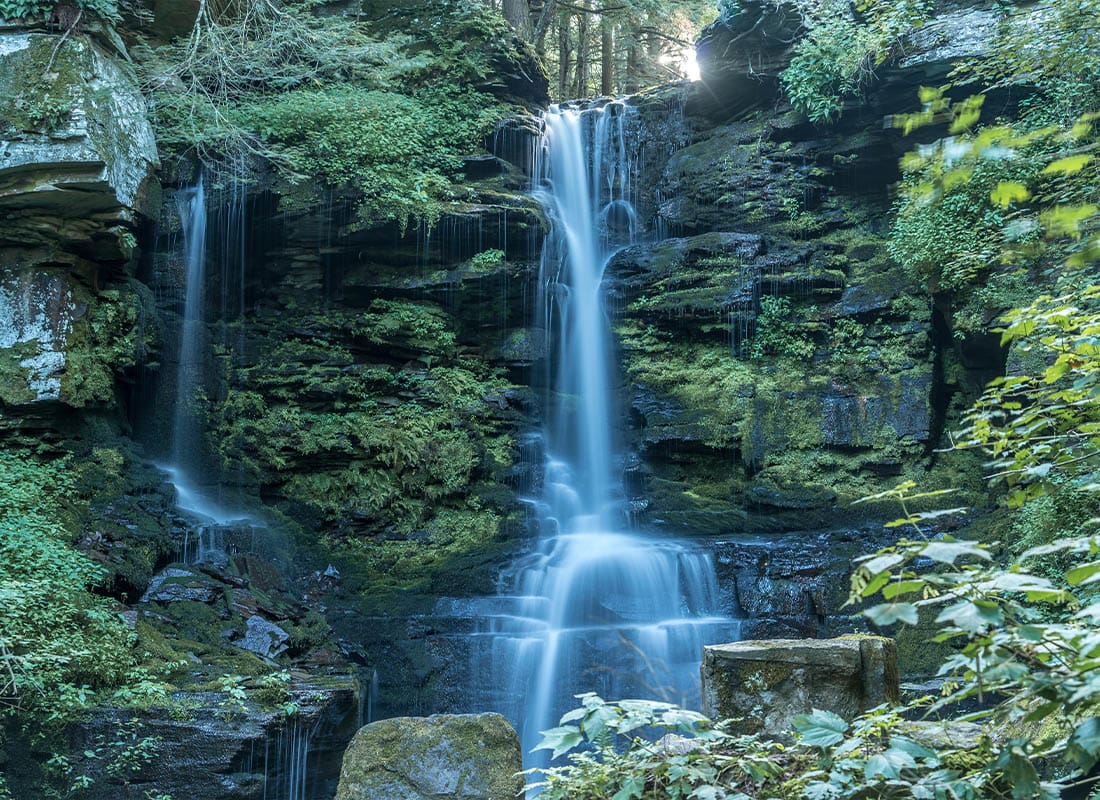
x: 286, y: 775
x: 187, y: 430
x: 205, y: 541
x: 596, y: 607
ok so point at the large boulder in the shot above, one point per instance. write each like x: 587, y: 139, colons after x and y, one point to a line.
x: 765, y: 684
x: 743, y: 52
x: 78, y: 154
x: 465, y: 757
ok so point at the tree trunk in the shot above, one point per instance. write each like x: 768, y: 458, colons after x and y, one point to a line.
x: 580, y: 75
x: 518, y: 14
x: 542, y: 25
x: 565, y: 51
x: 630, y: 79
x: 607, y: 58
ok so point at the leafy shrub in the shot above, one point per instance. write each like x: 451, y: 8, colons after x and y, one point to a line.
x: 399, y: 151
x: 612, y: 754
x: 386, y: 118
x: 778, y: 331
x: 18, y: 9
x: 62, y: 641
x: 833, y: 62
x: 949, y: 241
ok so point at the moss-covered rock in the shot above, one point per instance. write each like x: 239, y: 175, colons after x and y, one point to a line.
x: 444, y: 757
x: 765, y: 684
x: 77, y: 145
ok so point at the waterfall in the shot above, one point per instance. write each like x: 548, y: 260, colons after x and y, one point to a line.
x: 596, y: 607
x: 286, y: 763
x: 187, y: 428
x: 205, y: 542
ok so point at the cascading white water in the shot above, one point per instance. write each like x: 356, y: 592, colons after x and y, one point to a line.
x: 286, y: 763
x: 191, y: 206
x: 595, y: 607
x: 203, y: 543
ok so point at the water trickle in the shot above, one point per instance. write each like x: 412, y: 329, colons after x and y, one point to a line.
x: 596, y: 607
x: 286, y: 763
x: 187, y: 430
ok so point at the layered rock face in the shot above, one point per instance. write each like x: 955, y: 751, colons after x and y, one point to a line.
x: 77, y: 166
x: 220, y: 748
x: 778, y: 363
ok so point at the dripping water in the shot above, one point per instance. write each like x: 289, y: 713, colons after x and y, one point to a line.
x: 286, y: 763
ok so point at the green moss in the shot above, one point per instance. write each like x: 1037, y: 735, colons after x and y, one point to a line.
x: 703, y: 378
x: 371, y: 431
x: 38, y: 87
x: 110, y: 338
x: 14, y: 389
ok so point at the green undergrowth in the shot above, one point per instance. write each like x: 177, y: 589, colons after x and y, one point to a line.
x: 382, y: 109
x: 42, y: 9
x: 377, y: 435
x: 64, y: 644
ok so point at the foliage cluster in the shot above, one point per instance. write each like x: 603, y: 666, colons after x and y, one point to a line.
x: 778, y: 331
x: 388, y: 459
x: 61, y: 643
x: 400, y: 151
x: 835, y: 59
x: 384, y: 115
x: 41, y: 9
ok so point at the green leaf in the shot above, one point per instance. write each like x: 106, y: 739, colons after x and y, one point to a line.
x: 896, y: 588
x: 1083, y: 574
x: 631, y: 788
x: 890, y: 613
x: 972, y: 616
x: 560, y: 740
x: 888, y: 764
x: 882, y: 563
x: 820, y: 728
x: 914, y: 749
x: 1068, y: 165
x: 1083, y: 748
x: 1019, y: 772
x: 949, y: 552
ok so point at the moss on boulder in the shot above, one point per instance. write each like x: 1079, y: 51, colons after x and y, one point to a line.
x: 443, y: 757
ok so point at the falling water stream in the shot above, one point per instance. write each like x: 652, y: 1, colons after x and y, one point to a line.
x: 596, y: 606
x: 287, y: 757
x: 203, y: 542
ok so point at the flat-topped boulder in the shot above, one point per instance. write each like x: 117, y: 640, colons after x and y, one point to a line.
x: 442, y: 757
x: 765, y: 684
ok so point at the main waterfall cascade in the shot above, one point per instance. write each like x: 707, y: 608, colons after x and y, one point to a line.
x: 595, y: 607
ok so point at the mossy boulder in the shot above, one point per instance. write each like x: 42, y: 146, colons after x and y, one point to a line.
x: 77, y: 146
x: 464, y: 757
x: 765, y: 684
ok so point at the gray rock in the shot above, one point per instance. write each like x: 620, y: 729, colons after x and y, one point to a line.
x: 742, y: 54
x: 263, y: 638
x: 900, y: 408
x: 174, y: 585
x: 100, y: 159
x: 36, y: 321
x: 464, y: 757
x: 766, y: 684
